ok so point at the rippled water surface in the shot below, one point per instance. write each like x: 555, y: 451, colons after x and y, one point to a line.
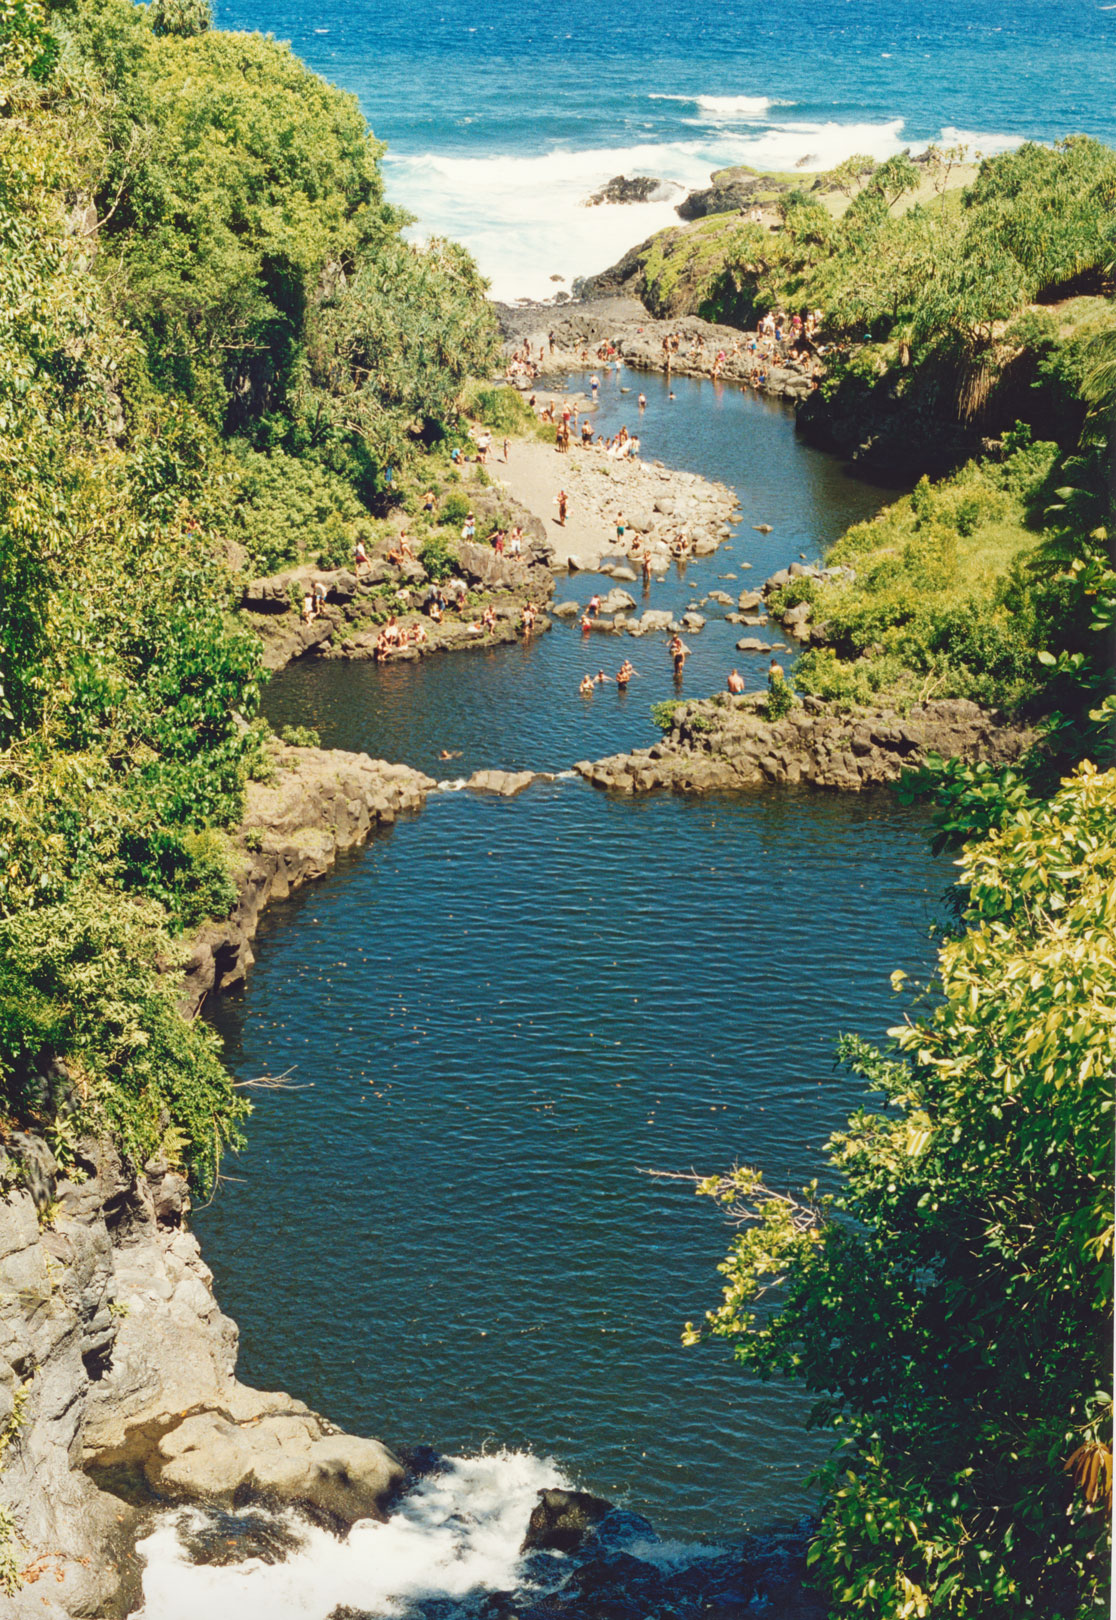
x: 506, y: 1013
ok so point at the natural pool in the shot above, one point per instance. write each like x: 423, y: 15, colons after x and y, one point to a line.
x: 507, y: 1012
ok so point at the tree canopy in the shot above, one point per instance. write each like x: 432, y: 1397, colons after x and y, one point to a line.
x: 950, y: 1307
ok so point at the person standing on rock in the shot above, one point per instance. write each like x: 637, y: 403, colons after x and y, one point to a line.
x: 620, y: 528
x: 562, y: 500
x: 360, y: 558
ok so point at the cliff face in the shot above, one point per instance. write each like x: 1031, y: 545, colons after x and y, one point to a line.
x: 117, y: 1367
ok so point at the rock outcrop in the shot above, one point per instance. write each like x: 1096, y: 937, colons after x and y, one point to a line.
x: 348, y: 622
x: 727, y: 742
x: 637, y: 188
x: 638, y: 337
x: 117, y: 1365
x: 318, y: 803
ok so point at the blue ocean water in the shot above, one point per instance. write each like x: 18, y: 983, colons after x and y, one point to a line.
x: 501, y: 119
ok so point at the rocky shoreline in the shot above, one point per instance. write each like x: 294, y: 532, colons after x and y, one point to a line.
x: 118, y: 1378
x: 727, y: 743
x: 581, y: 327
x: 348, y: 623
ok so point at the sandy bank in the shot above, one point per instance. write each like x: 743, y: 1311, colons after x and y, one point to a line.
x: 657, y: 503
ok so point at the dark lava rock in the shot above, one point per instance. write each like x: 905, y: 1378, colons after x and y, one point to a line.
x: 232, y: 1538
x: 640, y: 188
x: 561, y: 1520
x: 419, y: 1461
x: 723, y: 199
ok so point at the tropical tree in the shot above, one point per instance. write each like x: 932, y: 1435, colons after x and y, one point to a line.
x: 950, y: 1306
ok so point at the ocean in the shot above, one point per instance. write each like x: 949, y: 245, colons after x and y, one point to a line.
x: 501, y: 119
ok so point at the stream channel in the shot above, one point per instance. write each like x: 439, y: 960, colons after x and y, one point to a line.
x: 506, y: 1012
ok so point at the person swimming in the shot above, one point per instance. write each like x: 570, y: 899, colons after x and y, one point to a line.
x: 586, y: 687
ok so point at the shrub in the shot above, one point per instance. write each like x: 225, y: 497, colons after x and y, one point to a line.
x: 780, y: 699
x: 301, y: 736
x: 502, y: 409
x: 436, y: 558
x: 662, y: 714
x: 455, y: 509
x: 284, y: 506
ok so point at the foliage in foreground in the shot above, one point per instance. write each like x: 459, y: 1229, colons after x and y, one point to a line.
x: 950, y: 1307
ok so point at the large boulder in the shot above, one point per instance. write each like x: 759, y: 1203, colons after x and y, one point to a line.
x: 561, y: 1520
x: 480, y: 565
x: 617, y: 601
x: 504, y: 783
x: 732, y: 190
x: 747, y: 600
x: 288, y: 1456
x: 636, y: 189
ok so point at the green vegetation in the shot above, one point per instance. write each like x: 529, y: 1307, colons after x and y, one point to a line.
x: 954, y: 315
x: 662, y: 714
x: 950, y: 1306
x: 214, y: 347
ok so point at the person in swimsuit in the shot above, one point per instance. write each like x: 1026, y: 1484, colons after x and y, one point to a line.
x: 586, y: 687
x: 647, y: 568
x: 594, y: 606
x: 625, y: 674
x: 600, y: 678
x: 736, y: 682
x: 563, y: 501
x: 679, y: 652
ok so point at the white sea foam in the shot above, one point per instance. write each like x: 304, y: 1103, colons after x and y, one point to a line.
x: 524, y: 219
x: 457, y: 1532
x: 737, y: 109
x: 727, y: 109
x: 986, y: 145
